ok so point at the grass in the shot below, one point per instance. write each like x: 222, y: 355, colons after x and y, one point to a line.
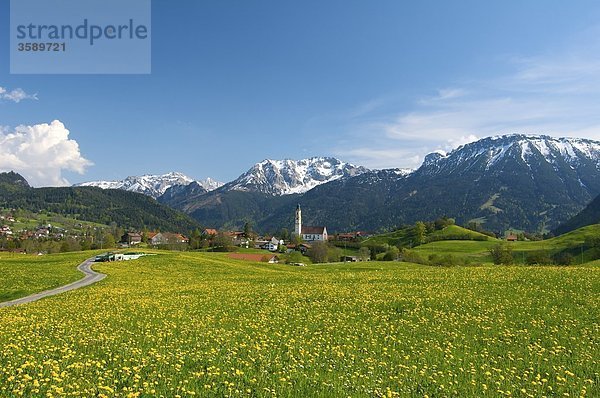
x: 404, y: 237
x: 22, y: 275
x: 455, y: 230
x: 479, y: 250
x: 200, y: 324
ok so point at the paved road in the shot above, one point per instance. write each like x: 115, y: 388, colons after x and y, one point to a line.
x: 90, y: 277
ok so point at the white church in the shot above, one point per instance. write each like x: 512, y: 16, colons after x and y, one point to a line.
x: 308, y: 234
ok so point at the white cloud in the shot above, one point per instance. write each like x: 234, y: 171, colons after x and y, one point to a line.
x: 41, y: 153
x: 16, y: 95
x: 555, y: 95
x: 382, y: 158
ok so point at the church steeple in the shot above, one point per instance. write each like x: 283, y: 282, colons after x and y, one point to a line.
x: 298, y: 224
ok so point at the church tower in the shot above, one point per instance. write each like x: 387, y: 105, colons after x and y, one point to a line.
x: 298, y: 225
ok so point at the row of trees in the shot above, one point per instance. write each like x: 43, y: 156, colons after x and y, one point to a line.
x: 503, y: 254
x: 68, y: 244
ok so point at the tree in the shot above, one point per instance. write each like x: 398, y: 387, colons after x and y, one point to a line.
x: 443, y: 222
x: 294, y: 257
x: 222, y: 241
x: 64, y: 247
x: 502, y: 254
x: 145, y: 236
x: 247, y: 230
x: 318, y: 252
x: 195, y: 239
x: 563, y: 258
x: 86, y: 244
x: 285, y: 234
x: 296, y: 239
x: 538, y: 258
x: 419, y: 232
x: 108, y: 241
x: 334, y: 254
x: 392, y: 254
x: 364, y: 253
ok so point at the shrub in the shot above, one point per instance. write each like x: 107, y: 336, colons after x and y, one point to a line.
x: 294, y: 257
x: 502, y: 254
x: 391, y: 254
x: 364, y: 253
x: 563, y: 258
x: 538, y: 258
x: 412, y: 257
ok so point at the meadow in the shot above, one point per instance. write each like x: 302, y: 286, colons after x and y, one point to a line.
x: 21, y: 275
x: 478, y: 251
x: 199, y: 324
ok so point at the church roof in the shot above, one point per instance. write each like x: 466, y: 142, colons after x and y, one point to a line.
x: 313, y: 230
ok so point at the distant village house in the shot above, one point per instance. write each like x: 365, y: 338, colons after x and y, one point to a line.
x: 131, y: 239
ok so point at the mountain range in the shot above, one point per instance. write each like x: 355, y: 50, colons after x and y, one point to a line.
x: 151, y: 184
x: 285, y: 177
x: 516, y: 181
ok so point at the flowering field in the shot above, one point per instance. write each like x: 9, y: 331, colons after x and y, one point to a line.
x: 21, y: 275
x: 202, y: 325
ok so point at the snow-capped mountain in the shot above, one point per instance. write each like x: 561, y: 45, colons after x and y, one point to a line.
x: 528, y: 182
x: 531, y: 182
x: 152, y: 185
x: 209, y: 184
x: 488, y: 155
x: 284, y: 177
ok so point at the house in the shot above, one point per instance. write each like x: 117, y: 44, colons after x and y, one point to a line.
x: 176, y: 238
x: 273, y: 244
x: 512, y: 238
x: 131, y: 238
x: 352, y: 236
x: 210, y: 232
x: 347, y: 237
x: 164, y: 238
x: 5, y: 230
x: 350, y: 259
x: 255, y: 257
x: 42, y: 233
x: 308, y: 233
x: 303, y: 247
x: 241, y: 242
x: 235, y: 234
x: 261, y: 243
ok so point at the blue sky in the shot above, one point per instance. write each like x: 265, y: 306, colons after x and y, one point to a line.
x: 379, y: 84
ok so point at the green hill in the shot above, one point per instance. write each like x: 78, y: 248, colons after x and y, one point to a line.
x: 126, y: 209
x: 404, y: 237
x: 401, y: 237
x: 579, y: 244
x: 455, y: 232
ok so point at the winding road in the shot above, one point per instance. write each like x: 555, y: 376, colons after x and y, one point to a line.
x: 90, y: 277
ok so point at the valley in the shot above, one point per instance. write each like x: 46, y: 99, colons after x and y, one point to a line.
x: 202, y: 324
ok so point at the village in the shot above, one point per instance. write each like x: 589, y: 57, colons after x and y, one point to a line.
x: 29, y: 233
x: 248, y: 245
